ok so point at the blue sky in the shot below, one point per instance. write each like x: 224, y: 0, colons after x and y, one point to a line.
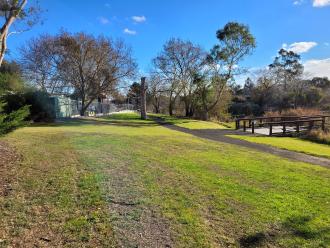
x: 303, y: 25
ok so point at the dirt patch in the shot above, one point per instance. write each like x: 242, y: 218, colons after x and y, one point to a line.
x: 8, y: 157
x: 135, y: 223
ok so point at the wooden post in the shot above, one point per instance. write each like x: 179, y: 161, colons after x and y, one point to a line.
x: 244, y: 126
x: 143, y: 99
x: 270, y: 129
x: 237, y: 124
x: 323, y: 123
x: 252, y: 126
x: 311, y: 125
x: 250, y: 121
x: 297, y: 127
x: 284, y: 128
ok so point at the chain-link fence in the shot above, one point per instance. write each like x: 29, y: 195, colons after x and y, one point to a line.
x: 65, y: 107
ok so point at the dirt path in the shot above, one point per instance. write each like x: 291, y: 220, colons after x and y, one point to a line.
x: 220, y: 136
x: 8, y: 157
x: 135, y: 223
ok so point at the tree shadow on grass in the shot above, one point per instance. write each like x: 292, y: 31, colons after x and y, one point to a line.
x: 137, y: 123
x: 295, y: 227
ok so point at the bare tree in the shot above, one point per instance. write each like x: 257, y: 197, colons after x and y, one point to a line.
x: 39, y: 61
x: 93, y: 66
x: 10, y: 11
x: 80, y: 64
x: 177, y: 64
x: 156, y: 92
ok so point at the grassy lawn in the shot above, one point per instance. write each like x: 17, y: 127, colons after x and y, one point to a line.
x: 292, y: 144
x: 98, y: 183
x: 55, y: 199
x: 195, y: 124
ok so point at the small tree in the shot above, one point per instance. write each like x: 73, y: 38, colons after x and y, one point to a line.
x: 134, y: 94
x: 156, y: 92
x: 10, y: 78
x: 177, y: 64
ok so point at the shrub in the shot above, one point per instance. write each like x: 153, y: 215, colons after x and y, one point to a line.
x: 319, y: 136
x: 294, y: 112
x: 41, y: 108
x: 245, y: 109
x: 14, y: 119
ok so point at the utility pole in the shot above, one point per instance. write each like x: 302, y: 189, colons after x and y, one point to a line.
x: 143, y: 99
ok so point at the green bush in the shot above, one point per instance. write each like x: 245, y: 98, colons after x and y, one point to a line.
x: 41, y: 108
x: 14, y: 119
x: 245, y: 109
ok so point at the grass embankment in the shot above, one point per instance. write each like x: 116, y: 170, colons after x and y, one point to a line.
x: 203, y: 193
x: 196, y: 124
x: 289, y: 143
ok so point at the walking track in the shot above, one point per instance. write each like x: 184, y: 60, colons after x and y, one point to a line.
x: 220, y: 136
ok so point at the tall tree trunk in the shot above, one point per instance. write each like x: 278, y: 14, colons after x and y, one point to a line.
x: 170, y: 108
x: 3, y: 46
x: 156, y: 105
x: 143, y: 99
x: 187, y: 111
x: 157, y: 108
x: 205, y: 115
x: 83, y: 108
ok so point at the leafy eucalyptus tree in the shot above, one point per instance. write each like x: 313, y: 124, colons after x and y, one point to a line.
x: 286, y: 73
x: 235, y: 42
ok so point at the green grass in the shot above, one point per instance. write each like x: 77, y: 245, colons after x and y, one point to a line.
x: 56, y: 199
x: 210, y: 194
x: 195, y: 124
x: 289, y: 143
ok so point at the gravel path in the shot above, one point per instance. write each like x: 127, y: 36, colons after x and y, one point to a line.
x: 220, y: 136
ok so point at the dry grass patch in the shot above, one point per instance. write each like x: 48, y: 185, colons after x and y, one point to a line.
x: 8, y: 157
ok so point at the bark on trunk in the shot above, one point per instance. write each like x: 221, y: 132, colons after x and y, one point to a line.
x: 83, y: 108
x: 205, y: 115
x: 157, y: 109
x: 5, y: 29
x: 170, y: 109
x: 3, y: 47
x: 143, y: 99
x: 187, y: 111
